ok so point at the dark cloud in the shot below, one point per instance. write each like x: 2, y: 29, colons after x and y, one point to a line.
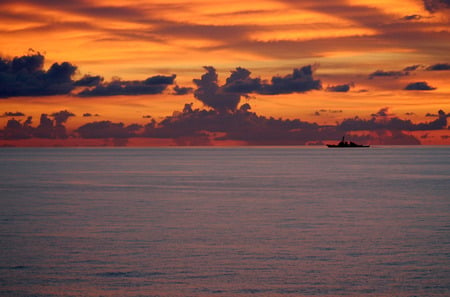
x: 31, y: 63
x: 382, y: 73
x: 150, y: 86
x: 177, y: 90
x: 61, y: 116
x: 301, y: 80
x: 188, y: 108
x: 340, y: 88
x: 14, y: 129
x: 88, y: 114
x: 439, y: 67
x: 434, y: 115
x: 12, y: 114
x: 240, y: 125
x: 160, y: 80
x: 107, y: 129
x: 412, y: 17
x: 200, y: 127
x: 392, y: 137
x: 61, y: 73
x: 240, y: 83
x: 410, y: 113
x: 245, y: 107
x: 383, y: 112
x: 419, y: 86
x: 47, y: 127
x: 209, y: 92
x: 319, y: 112
x: 382, y: 120
x: 435, y: 5
x: 412, y: 68
x: 89, y: 81
x: 25, y: 76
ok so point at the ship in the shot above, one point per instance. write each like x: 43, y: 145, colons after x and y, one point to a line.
x: 345, y: 144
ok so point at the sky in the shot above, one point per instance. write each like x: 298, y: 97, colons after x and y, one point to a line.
x: 232, y: 72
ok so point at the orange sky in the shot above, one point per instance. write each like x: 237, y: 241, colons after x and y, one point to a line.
x: 345, y: 41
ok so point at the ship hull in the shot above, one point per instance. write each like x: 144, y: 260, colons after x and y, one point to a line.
x: 346, y: 146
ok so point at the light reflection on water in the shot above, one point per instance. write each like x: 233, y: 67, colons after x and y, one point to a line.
x: 256, y: 221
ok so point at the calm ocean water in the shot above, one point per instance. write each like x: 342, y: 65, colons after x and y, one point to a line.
x: 250, y: 221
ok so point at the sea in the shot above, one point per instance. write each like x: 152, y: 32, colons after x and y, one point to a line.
x: 225, y: 221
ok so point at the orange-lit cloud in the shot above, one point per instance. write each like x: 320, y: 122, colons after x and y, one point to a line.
x: 361, y: 50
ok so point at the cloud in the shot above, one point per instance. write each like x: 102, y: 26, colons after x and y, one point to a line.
x: 107, y: 129
x: 382, y: 73
x: 160, y: 80
x: 47, y: 127
x: 61, y: 73
x: 88, y: 114
x: 240, y: 83
x: 340, y: 88
x: 412, y: 68
x: 25, y: 76
x: 210, y: 94
x: 436, y: 5
x: 392, y: 137
x: 382, y: 120
x: 62, y: 116
x: 419, y: 86
x: 12, y: 114
x: 319, y: 112
x: 14, y: 129
x: 412, y: 17
x: 242, y: 125
x: 434, y: 115
x: 177, y: 90
x: 301, y: 80
x: 89, y: 81
x: 439, y: 67
x: 150, y: 86
x: 383, y: 112
x: 200, y: 127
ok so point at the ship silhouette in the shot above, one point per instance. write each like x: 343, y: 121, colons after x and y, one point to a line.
x: 346, y: 144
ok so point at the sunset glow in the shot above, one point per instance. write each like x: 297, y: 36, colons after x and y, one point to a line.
x: 145, y: 60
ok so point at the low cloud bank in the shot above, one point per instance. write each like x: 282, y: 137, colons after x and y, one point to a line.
x: 202, y: 126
